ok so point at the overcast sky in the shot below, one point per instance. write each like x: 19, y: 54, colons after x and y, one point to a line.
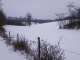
x: 41, y: 9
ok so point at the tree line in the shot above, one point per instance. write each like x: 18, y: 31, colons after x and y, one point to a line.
x: 21, y: 21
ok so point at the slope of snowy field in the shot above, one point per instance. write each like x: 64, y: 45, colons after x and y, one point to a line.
x: 70, y: 39
x: 6, y: 53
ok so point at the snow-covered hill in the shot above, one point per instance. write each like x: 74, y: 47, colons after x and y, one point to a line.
x: 70, y: 39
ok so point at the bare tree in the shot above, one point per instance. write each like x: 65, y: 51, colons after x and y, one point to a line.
x: 74, y: 13
x: 73, y: 17
x: 28, y: 18
x: 72, y: 9
x: 61, y: 23
x: 78, y: 20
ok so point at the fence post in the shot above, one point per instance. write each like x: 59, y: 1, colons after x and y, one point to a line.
x: 17, y: 36
x: 9, y: 34
x: 38, y: 48
x: 4, y: 32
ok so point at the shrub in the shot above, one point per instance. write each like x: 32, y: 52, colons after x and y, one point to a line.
x: 21, y: 45
x: 50, y: 52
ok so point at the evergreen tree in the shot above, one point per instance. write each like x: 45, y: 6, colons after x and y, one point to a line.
x: 2, y: 16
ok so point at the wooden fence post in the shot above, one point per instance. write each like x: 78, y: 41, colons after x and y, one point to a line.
x: 38, y: 48
x: 9, y: 34
x: 4, y: 32
x: 17, y: 36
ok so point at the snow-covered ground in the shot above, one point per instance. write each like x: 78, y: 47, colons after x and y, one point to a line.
x: 6, y: 52
x: 70, y: 39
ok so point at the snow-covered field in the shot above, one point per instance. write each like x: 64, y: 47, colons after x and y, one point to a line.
x: 70, y: 39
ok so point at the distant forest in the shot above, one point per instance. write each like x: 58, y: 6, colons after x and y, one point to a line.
x: 23, y: 21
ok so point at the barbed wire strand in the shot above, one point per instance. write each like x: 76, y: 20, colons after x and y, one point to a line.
x: 72, y: 52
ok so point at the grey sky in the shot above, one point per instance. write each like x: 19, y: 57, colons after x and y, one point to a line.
x: 44, y: 9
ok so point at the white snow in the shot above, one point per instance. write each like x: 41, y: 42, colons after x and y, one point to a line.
x: 6, y: 53
x: 49, y: 31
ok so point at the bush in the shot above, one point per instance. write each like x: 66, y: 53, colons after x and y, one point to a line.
x: 21, y: 45
x: 50, y: 52
x: 2, y: 29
